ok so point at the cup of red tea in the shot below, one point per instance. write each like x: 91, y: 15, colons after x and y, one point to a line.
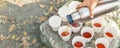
x: 55, y: 22
x: 110, y: 32
x: 78, y: 42
x: 87, y: 33
x: 65, y: 32
x: 98, y: 24
x: 102, y: 43
x: 76, y: 26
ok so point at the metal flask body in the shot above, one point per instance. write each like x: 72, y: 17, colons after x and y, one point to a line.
x: 102, y: 8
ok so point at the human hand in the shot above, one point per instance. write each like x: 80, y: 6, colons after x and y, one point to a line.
x: 91, y: 4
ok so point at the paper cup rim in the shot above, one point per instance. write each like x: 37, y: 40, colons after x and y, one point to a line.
x: 73, y: 2
x: 58, y: 18
x: 72, y: 5
x: 111, y: 30
x: 90, y: 30
x: 62, y: 27
x: 78, y: 26
x: 100, y: 20
x: 95, y: 26
x: 103, y: 41
x: 61, y: 9
x: 78, y: 38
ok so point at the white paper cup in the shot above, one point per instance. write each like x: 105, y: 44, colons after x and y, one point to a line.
x: 78, y: 39
x: 63, y: 12
x: 101, y: 22
x: 103, y: 41
x: 76, y: 29
x: 88, y: 30
x: 55, y: 22
x: 63, y: 29
x: 112, y: 30
x: 73, y: 6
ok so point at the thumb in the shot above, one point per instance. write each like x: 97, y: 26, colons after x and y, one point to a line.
x: 91, y: 12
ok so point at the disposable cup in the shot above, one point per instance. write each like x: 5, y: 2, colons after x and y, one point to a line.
x: 79, y: 39
x: 98, y: 24
x: 73, y: 5
x: 63, y: 12
x: 102, y: 42
x: 65, y: 33
x: 76, y: 26
x: 55, y: 22
x: 87, y: 33
x: 110, y: 33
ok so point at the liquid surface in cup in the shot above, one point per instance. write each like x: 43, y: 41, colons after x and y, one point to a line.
x: 78, y: 44
x: 75, y: 24
x: 100, y: 45
x: 65, y: 33
x: 87, y: 35
x: 97, y: 24
x: 109, y: 34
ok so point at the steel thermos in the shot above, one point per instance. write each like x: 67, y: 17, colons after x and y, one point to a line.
x: 102, y: 8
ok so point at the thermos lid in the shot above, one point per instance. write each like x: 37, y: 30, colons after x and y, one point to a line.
x: 69, y: 18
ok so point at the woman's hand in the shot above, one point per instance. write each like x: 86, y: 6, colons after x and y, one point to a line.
x: 91, y: 4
